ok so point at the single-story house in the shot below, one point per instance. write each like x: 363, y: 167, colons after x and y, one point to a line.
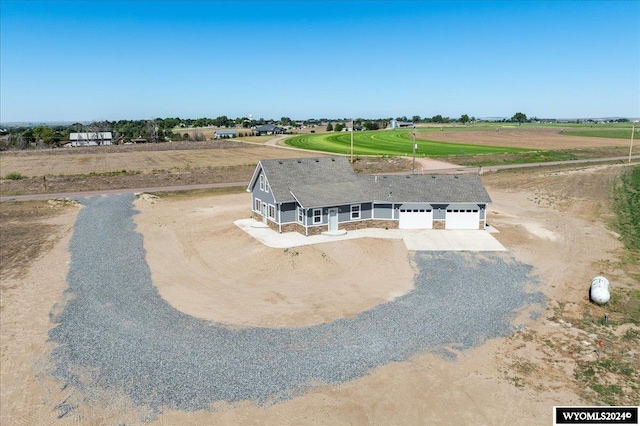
x: 269, y: 129
x: 224, y: 134
x: 90, y: 139
x: 394, y: 124
x: 314, y: 195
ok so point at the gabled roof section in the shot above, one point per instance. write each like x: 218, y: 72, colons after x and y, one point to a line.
x: 428, y: 188
x: 331, y: 194
x: 288, y: 174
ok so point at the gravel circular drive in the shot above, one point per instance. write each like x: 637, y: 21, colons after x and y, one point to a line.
x: 116, y: 334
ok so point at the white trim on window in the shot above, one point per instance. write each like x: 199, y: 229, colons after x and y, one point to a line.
x: 300, y: 215
x: 317, y: 216
x: 355, y: 212
x: 272, y: 211
x: 262, y: 183
x: 256, y: 205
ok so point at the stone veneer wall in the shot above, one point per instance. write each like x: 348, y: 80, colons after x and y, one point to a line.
x: 349, y: 226
x: 317, y: 230
x: 373, y: 223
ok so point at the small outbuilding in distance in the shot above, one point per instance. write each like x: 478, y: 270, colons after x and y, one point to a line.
x: 90, y: 139
x: 224, y: 134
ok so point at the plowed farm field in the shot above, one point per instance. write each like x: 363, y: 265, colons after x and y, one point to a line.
x: 543, y: 139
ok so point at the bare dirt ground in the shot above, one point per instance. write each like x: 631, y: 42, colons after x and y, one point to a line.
x: 538, y: 139
x: 139, y: 158
x: 316, y: 284
x: 554, y: 219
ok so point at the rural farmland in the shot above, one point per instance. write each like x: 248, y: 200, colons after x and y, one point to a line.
x: 550, y: 219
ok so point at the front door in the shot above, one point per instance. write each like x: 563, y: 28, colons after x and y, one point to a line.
x: 263, y: 209
x: 333, y: 219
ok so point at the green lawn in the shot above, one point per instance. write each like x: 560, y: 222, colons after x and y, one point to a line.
x: 596, y: 132
x: 627, y: 201
x: 389, y: 142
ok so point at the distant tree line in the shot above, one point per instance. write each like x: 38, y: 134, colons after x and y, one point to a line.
x: 171, y: 129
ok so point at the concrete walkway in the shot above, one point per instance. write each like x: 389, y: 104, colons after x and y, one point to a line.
x: 418, y: 240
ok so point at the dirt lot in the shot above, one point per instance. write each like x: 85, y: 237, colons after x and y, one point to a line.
x: 551, y: 219
x: 178, y: 156
x: 152, y: 165
x: 537, y: 139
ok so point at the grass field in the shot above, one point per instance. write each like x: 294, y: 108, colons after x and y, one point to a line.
x: 611, y: 132
x: 389, y: 142
x: 627, y: 199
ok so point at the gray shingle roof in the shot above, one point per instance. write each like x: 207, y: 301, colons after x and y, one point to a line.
x: 431, y: 188
x: 268, y: 128
x: 284, y: 175
x: 327, y: 181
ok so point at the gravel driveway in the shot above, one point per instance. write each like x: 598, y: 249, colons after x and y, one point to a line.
x: 116, y: 335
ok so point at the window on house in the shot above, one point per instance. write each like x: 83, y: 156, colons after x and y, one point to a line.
x: 256, y: 207
x: 300, y: 215
x: 355, y: 212
x: 272, y: 211
x: 317, y: 215
x: 261, y: 182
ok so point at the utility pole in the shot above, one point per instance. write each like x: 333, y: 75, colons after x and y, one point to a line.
x: 633, y: 129
x: 351, y: 140
x: 413, y: 137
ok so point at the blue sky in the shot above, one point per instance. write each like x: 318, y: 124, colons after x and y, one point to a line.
x: 92, y: 60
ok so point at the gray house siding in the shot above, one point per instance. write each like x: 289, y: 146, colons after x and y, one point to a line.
x: 383, y: 211
x: 439, y: 211
x: 463, y: 206
x: 344, y: 213
x: 323, y: 216
x: 409, y: 206
x: 366, y: 211
x: 288, y: 213
x: 265, y: 195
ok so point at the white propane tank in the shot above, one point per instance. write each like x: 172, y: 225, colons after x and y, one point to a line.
x: 600, y: 290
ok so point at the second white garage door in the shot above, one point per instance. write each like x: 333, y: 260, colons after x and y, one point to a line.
x: 415, y: 219
x: 462, y: 219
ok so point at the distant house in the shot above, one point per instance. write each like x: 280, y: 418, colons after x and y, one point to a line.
x: 90, y: 139
x: 394, y: 124
x: 223, y: 134
x: 269, y: 129
x: 313, y: 195
x: 139, y: 139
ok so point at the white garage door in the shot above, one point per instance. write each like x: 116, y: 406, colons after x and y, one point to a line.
x: 462, y: 219
x: 415, y: 219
